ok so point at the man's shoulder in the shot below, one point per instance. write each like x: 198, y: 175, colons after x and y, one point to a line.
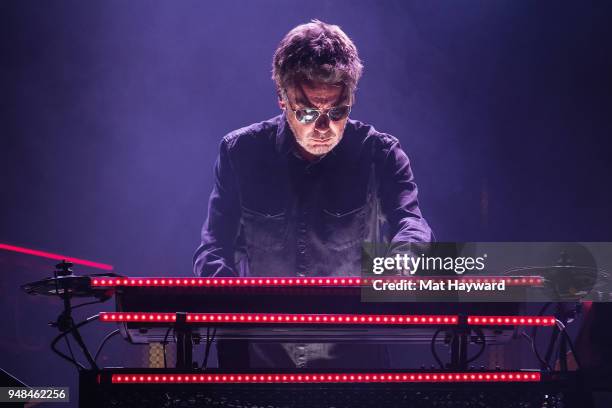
x: 369, y: 136
x: 254, y: 134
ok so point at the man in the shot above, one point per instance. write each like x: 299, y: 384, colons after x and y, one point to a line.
x: 298, y: 194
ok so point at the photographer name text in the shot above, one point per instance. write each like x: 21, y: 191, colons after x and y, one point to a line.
x: 437, y: 286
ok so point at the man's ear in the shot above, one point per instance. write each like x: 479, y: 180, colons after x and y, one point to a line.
x: 281, y: 102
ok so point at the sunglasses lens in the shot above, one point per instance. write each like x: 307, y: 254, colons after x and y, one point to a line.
x: 339, y: 113
x: 306, y: 115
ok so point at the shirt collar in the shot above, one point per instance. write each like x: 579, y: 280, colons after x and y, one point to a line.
x: 284, y: 136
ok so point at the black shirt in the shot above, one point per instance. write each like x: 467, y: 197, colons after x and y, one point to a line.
x: 271, y: 213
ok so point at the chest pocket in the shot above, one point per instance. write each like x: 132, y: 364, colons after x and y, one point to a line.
x: 344, y: 229
x: 267, y: 232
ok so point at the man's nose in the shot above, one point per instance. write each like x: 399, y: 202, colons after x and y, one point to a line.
x: 322, y: 123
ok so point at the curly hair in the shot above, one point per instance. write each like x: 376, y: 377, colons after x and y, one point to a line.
x: 319, y: 52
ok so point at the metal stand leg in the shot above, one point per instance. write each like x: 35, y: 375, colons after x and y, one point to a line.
x: 459, y: 345
x: 65, y: 322
x: 184, y: 342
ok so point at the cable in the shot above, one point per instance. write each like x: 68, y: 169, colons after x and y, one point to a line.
x: 534, y: 333
x: 78, y: 365
x: 70, y: 349
x: 482, y: 348
x: 164, y: 345
x: 209, y: 341
x: 562, y: 329
x: 87, y: 303
x: 535, y: 350
x: 106, y: 338
x: 206, y: 349
x: 433, y: 348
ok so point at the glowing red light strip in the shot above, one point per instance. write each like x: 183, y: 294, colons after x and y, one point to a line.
x: 57, y: 257
x: 524, y: 281
x: 295, y: 282
x: 509, y: 280
x: 499, y: 376
x: 137, y: 317
x: 249, y: 318
x: 511, y: 320
x: 213, y: 282
x: 319, y: 318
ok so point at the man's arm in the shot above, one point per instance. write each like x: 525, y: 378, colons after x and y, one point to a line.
x: 398, y: 195
x: 215, y: 255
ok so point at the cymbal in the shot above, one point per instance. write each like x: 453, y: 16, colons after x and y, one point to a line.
x: 72, y: 285
x: 554, y: 269
x: 567, y: 281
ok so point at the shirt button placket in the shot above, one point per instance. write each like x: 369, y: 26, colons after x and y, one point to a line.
x: 301, y: 245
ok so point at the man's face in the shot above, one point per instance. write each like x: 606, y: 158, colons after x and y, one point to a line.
x: 319, y: 137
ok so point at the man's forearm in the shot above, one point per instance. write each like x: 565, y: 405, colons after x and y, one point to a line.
x: 399, y: 196
x: 215, y: 255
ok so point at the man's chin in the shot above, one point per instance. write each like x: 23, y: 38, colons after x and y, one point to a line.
x: 319, y: 150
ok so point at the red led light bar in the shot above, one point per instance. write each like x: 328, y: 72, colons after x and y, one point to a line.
x: 278, y: 318
x: 509, y: 280
x: 421, y: 377
x: 297, y: 282
x: 216, y: 282
x: 137, y: 317
x: 56, y: 257
x: 511, y: 320
x: 274, y: 318
x: 319, y: 318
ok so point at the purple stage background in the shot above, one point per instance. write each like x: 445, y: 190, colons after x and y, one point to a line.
x: 112, y: 111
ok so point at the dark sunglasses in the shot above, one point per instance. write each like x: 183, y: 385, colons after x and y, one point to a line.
x: 310, y: 115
